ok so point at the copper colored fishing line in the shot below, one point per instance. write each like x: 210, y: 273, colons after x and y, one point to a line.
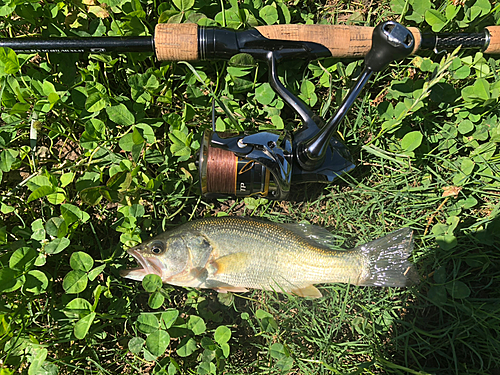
x: 221, y: 171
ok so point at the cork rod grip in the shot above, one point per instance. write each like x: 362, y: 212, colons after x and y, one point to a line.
x: 342, y: 41
x: 176, y: 42
x: 494, y: 46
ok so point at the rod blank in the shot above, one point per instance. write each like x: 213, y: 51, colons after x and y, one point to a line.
x: 88, y: 44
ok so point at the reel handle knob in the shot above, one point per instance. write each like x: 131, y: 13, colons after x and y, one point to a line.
x: 390, y: 41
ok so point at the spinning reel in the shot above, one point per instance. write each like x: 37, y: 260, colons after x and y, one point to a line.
x: 266, y: 164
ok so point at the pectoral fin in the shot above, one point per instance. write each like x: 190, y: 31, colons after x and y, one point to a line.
x: 307, y: 291
x: 232, y: 263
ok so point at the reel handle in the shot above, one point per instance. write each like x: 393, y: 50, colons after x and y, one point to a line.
x: 391, y: 41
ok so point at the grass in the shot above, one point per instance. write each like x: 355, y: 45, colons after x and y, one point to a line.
x: 113, y: 164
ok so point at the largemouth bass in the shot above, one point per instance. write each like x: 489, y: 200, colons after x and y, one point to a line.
x: 233, y: 254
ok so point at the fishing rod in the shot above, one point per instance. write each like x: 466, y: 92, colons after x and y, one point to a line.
x: 190, y: 42
x: 267, y: 163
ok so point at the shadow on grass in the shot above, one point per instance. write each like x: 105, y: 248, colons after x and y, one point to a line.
x: 452, y: 326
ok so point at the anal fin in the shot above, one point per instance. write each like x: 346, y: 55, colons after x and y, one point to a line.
x: 307, y: 291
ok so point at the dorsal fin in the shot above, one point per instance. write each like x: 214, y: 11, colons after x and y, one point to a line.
x: 316, y: 235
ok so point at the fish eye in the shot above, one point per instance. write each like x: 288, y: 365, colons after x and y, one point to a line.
x: 157, y: 248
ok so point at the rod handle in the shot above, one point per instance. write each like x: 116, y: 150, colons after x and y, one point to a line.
x: 494, y: 46
x: 177, y: 42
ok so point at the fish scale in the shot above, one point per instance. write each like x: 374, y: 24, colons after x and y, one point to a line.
x: 237, y: 253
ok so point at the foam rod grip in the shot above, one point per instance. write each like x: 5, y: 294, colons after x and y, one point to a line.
x: 494, y: 46
x: 342, y: 41
x: 176, y: 42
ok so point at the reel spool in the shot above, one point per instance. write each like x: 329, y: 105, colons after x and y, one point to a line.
x: 250, y: 170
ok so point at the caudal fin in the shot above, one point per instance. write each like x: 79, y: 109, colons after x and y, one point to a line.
x: 388, y: 260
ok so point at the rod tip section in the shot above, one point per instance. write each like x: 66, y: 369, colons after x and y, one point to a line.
x: 176, y: 42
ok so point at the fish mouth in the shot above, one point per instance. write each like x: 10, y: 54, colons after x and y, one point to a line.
x: 148, y: 266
